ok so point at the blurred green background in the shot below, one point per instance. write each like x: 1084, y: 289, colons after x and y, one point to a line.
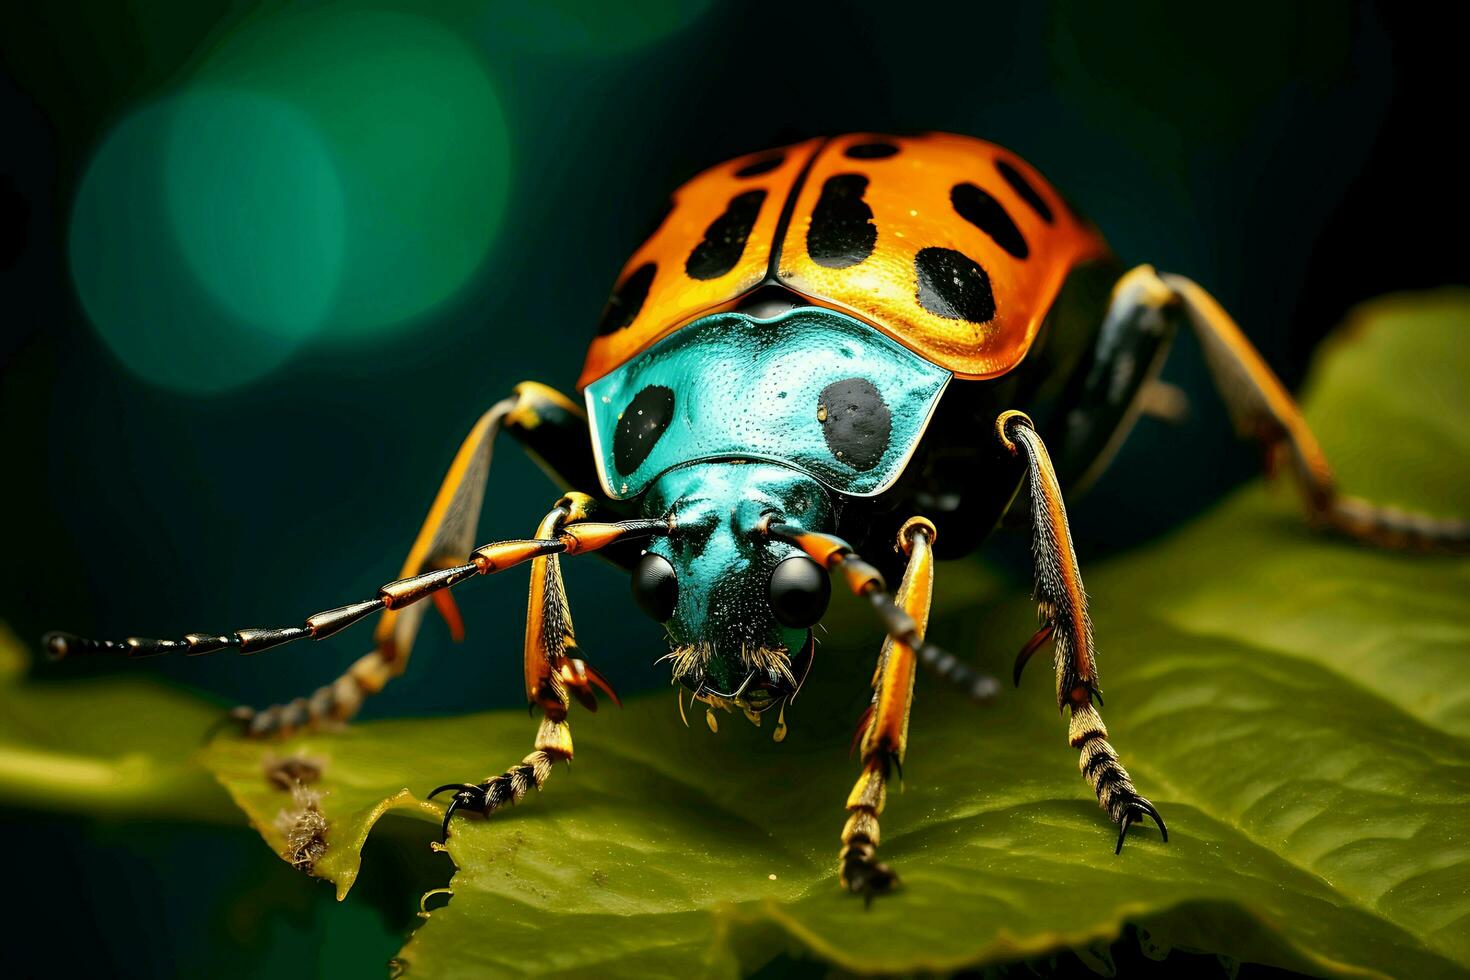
x: 264, y: 265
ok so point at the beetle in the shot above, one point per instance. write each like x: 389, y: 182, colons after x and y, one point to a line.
x: 825, y: 351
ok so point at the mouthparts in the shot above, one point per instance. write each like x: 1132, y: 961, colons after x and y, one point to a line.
x: 772, y: 675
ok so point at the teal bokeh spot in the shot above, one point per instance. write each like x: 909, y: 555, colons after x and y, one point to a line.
x: 742, y: 388
x: 414, y: 128
x: 257, y: 207
x: 232, y: 313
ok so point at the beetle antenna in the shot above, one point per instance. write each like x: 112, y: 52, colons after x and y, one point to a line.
x: 572, y: 539
x: 865, y: 581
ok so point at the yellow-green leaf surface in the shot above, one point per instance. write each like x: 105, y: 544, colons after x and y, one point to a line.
x: 358, y: 774
x: 1295, y: 705
x: 113, y: 746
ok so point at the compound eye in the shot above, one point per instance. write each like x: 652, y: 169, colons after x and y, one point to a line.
x: 799, y: 590
x: 655, y: 586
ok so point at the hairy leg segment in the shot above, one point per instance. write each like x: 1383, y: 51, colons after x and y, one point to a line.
x: 1062, y: 607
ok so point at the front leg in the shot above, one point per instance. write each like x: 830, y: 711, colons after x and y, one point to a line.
x: 885, y: 725
x: 1062, y: 604
x: 553, y: 745
x: 553, y: 676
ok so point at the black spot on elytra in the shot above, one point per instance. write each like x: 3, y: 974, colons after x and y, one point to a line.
x: 1023, y: 187
x: 724, y: 239
x: 986, y: 213
x: 855, y: 422
x: 952, y: 285
x: 622, y: 308
x: 842, y: 232
x: 870, y: 151
x: 641, y: 425
x: 762, y: 166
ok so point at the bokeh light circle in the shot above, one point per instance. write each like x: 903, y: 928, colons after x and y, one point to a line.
x: 226, y: 304
x: 417, y: 133
x: 256, y: 204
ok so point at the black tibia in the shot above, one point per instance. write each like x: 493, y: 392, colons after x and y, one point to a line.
x: 553, y: 430
x: 1132, y: 343
x: 1062, y: 606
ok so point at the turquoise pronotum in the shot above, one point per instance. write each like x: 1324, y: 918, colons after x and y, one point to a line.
x: 745, y: 388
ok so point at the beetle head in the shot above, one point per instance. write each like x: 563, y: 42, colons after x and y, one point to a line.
x: 738, y: 605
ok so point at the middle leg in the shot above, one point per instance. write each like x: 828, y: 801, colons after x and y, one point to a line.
x: 1062, y: 605
x: 885, y: 726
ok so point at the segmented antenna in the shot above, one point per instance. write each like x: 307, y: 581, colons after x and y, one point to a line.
x: 573, y: 539
x: 865, y: 581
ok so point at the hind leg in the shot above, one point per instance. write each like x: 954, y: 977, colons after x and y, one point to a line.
x: 554, y: 431
x: 1262, y: 409
x: 1066, y: 623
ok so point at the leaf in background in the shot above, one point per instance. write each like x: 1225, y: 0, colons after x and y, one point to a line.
x: 115, y: 746
x: 1294, y: 704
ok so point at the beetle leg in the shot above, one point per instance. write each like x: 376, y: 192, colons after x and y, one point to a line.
x: 554, y: 431
x: 1062, y: 602
x: 551, y: 664
x: 398, y: 599
x: 885, y: 731
x: 553, y: 744
x: 572, y: 539
x: 885, y: 726
x: 446, y: 536
x: 553, y: 676
x: 865, y: 581
x: 1262, y: 408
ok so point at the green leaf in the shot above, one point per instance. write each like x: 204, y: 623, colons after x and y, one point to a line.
x: 1294, y: 704
x: 112, y: 746
x: 356, y: 776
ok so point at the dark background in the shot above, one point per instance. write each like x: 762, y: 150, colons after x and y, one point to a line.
x: 1293, y: 161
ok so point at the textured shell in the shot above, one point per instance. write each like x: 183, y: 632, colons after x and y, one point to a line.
x: 952, y: 246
